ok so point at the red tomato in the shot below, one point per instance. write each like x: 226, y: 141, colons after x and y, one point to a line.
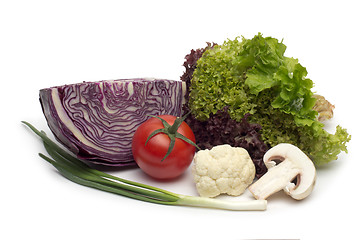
x: 149, y: 157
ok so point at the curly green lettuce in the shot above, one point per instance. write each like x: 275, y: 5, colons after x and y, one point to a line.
x: 252, y: 76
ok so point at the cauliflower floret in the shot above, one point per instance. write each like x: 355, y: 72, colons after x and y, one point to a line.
x: 223, y: 169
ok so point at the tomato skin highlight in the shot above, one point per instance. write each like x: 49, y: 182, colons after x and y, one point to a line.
x: 149, y: 157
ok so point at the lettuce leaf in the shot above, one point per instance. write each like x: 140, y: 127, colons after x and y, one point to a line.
x: 295, y: 96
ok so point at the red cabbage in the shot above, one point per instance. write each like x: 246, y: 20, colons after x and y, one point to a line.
x: 97, y: 120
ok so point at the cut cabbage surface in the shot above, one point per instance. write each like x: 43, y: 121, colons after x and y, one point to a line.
x: 97, y: 120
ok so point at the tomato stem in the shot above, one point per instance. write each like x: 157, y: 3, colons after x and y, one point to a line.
x: 178, y: 121
x: 172, y: 132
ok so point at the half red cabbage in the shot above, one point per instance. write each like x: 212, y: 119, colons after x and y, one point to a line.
x: 97, y: 120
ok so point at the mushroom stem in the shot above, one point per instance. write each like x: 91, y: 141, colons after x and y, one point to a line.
x: 275, y: 180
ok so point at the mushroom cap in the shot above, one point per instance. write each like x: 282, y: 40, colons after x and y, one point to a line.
x: 299, y: 163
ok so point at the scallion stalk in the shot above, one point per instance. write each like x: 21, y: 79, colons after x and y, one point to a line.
x: 75, y: 170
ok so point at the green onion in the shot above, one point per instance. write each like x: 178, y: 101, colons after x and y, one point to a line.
x: 75, y: 170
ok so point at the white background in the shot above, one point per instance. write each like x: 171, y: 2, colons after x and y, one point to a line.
x: 48, y: 43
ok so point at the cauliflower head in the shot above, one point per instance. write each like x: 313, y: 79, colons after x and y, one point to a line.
x: 223, y: 170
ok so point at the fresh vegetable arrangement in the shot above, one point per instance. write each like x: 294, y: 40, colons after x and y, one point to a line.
x: 244, y: 114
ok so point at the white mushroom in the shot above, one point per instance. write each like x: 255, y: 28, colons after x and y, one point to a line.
x: 292, y: 163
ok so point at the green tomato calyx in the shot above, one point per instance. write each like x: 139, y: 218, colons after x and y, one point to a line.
x: 172, y: 132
